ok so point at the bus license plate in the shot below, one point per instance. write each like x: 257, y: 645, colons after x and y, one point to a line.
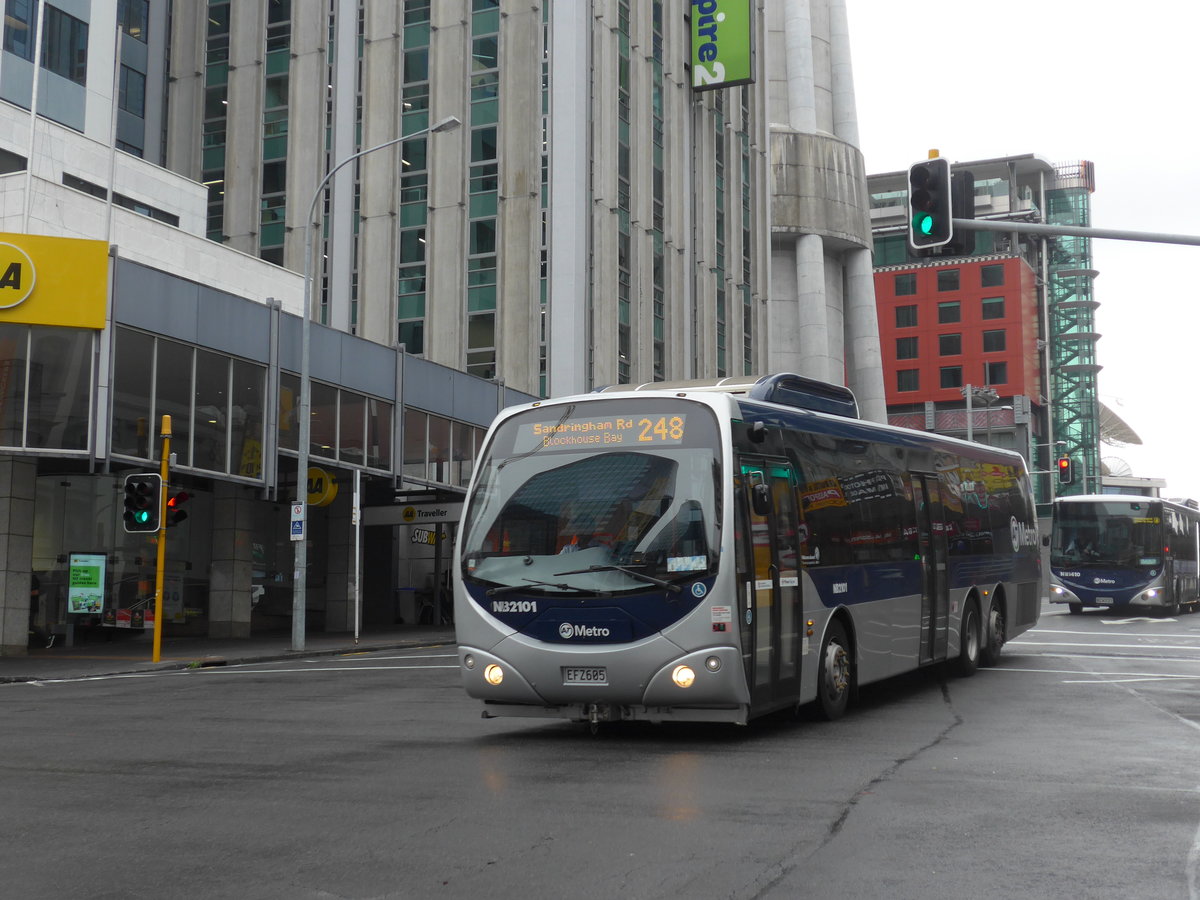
x: 585, y: 675
x: 1104, y: 601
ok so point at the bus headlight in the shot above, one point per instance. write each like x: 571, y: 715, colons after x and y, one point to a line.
x: 684, y: 676
x: 1057, y: 591
x: 493, y: 674
x: 1152, y: 593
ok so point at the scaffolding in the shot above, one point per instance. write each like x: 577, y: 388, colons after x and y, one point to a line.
x: 1071, y: 313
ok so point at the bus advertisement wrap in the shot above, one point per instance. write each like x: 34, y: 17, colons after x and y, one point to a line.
x: 722, y: 43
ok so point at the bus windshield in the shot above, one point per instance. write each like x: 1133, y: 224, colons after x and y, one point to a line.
x: 1109, y: 533
x: 622, y: 497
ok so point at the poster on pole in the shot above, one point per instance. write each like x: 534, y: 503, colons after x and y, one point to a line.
x: 85, y: 583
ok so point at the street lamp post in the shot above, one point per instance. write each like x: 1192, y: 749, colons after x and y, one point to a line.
x: 300, y: 576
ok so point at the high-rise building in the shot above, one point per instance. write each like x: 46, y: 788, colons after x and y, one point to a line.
x: 594, y: 220
x: 527, y: 198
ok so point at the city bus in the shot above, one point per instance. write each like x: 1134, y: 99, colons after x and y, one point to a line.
x: 718, y: 551
x: 1125, y: 551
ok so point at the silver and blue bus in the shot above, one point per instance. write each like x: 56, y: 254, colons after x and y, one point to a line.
x: 1112, y: 550
x: 714, y: 552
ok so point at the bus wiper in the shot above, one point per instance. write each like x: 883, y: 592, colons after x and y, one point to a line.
x: 632, y: 573
x: 492, y: 592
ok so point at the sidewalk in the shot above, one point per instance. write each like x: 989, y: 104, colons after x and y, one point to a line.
x: 132, y: 654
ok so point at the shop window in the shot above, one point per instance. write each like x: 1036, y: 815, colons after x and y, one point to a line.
x: 416, y: 424
x: 132, y: 376
x: 210, y: 428
x: 289, y: 409
x: 352, y: 415
x: 439, y: 450
x: 379, y: 434
x: 323, y: 430
x: 246, y: 419
x: 173, y: 397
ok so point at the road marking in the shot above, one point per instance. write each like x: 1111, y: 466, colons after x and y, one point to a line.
x: 224, y: 670
x: 1116, y: 676
x: 1039, y: 631
x: 1024, y: 643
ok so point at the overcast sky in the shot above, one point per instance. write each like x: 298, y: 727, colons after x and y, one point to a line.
x: 1112, y: 83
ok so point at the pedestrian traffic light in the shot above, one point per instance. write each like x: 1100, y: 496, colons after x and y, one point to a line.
x: 175, y: 511
x: 930, y: 211
x: 1065, y: 472
x: 143, y: 496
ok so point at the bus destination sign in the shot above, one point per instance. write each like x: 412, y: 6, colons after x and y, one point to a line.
x: 609, y: 431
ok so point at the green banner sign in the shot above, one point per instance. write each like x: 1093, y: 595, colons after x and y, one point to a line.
x: 85, y: 585
x: 722, y: 45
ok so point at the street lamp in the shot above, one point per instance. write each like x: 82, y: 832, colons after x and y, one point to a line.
x: 300, y: 576
x: 973, y: 392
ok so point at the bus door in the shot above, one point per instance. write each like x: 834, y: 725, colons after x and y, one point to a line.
x: 768, y: 568
x: 931, y: 544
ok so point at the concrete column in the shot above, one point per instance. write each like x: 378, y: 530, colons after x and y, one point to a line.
x: 801, y: 90
x: 864, y: 363
x: 18, y: 482
x: 232, y: 562
x: 815, y: 360
x: 845, y: 116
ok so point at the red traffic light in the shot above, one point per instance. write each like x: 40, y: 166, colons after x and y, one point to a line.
x: 1065, y: 473
x: 175, y: 511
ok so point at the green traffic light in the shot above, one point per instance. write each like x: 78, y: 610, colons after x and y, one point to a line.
x: 924, y: 224
x: 142, y: 516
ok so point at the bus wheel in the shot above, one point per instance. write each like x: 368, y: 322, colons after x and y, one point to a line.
x: 969, y: 641
x: 994, y: 638
x: 834, y: 679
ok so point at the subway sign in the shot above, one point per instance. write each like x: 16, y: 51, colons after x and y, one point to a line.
x: 722, y: 49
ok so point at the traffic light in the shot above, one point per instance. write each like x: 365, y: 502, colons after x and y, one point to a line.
x: 143, y: 496
x: 929, y: 206
x: 1066, y: 473
x: 175, y: 511
x: 962, y: 206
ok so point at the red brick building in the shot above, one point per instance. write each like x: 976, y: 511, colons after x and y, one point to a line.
x: 965, y: 321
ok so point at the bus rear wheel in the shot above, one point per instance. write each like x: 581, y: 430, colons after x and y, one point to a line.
x: 969, y: 642
x: 835, y: 678
x: 994, y: 636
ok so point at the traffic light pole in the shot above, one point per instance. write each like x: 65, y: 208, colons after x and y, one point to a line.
x: 164, y: 471
x: 1118, y: 234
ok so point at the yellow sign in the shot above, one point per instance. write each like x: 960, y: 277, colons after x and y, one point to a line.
x: 53, y: 281
x: 322, y: 487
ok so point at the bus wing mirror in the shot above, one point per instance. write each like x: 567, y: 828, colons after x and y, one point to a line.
x: 1045, y: 540
x: 760, y: 499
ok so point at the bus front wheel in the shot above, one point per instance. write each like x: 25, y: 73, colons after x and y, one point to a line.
x: 835, y: 678
x: 969, y: 642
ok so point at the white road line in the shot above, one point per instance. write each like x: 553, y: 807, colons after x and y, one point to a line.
x: 1115, y: 676
x: 225, y: 670
x: 1166, y: 634
x: 1023, y: 643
